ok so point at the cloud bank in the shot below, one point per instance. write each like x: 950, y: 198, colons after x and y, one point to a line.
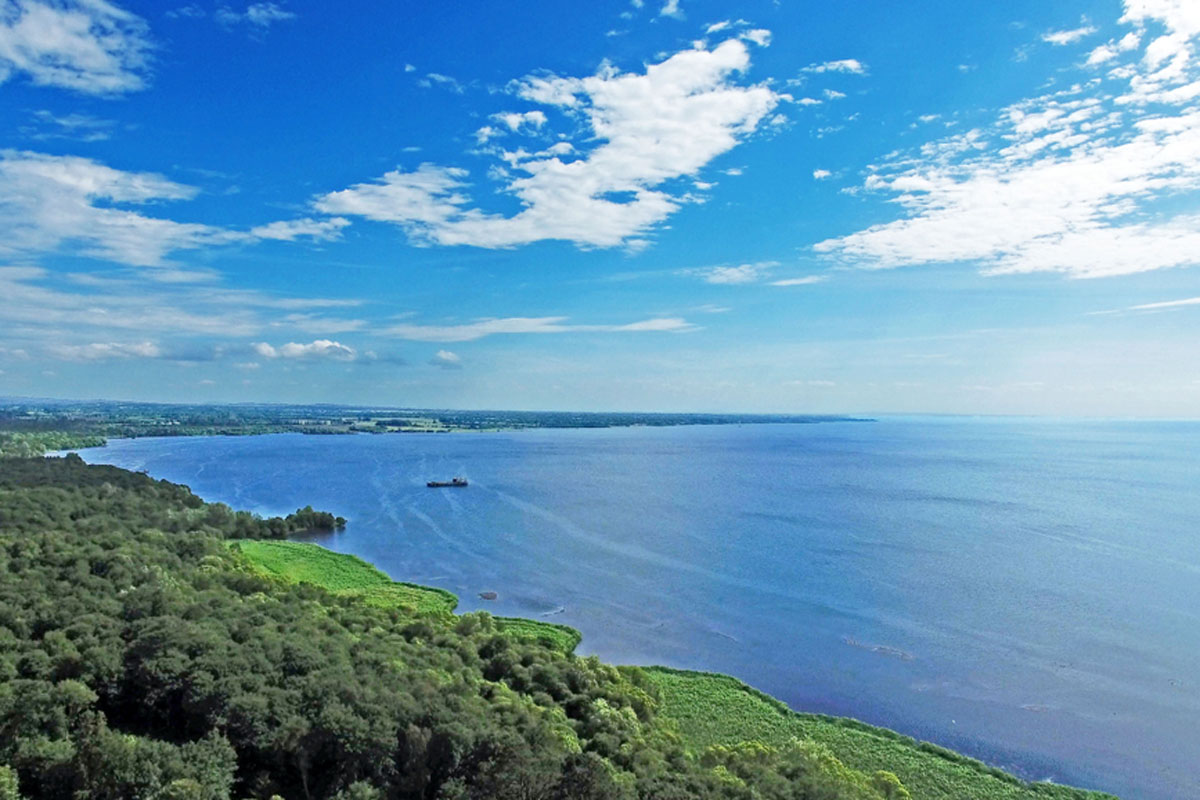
x: 88, y: 46
x: 644, y: 130
x: 56, y: 203
x: 1077, y: 181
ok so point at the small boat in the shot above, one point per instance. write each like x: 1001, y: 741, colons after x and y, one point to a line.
x: 452, y: 482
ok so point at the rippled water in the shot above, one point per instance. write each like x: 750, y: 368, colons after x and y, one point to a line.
x: 1025, y: 591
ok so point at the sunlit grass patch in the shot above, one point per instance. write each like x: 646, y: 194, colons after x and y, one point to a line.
x: 339, y: 573
x: 710, y: 709
x: 347, y: 575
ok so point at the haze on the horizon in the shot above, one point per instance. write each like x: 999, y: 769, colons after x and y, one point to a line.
x: 663, y: 205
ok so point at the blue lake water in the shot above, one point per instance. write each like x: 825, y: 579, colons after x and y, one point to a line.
x: 1025, y: 591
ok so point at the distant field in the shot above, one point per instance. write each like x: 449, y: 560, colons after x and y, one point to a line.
x: 301, y: 562
x: 714, y: 709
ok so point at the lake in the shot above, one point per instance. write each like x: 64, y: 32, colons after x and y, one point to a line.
x: 1025, y: 591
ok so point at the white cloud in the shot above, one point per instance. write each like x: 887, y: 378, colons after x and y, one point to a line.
x: 44, y: 308
x: 1101, y: 54
x: 315, y: 324
x: 510, y: 121
x: 446, y: 360
x: 739, y: 274
x: 1191, y: 301
x: 848, y: 65
x: 46, y: 201
x: 88, y: 46
x: 1068, y: 36
x: 442, y: 80
x: 102, y: 351
x: 515, y: 120
x: 267, y: 13
x: 317, y: 349
x: 1070, y: 182
x: 478, y: 329
x: 671, y: 9
x: 807, y: 280
x: 292, y: 229
x: 75, y: 126
x: 190, y: 11
x: 643, y: 131
x: 821, y: 174
x: 425, y: 197
x: 52, y: 203
x: 260, y: 15
x: 833, y: 94
x: 759, y: 36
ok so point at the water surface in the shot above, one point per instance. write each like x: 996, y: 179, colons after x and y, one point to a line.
x: 1025, y: 591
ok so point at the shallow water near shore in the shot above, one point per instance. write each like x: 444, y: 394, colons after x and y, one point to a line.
x: 1025, y: 591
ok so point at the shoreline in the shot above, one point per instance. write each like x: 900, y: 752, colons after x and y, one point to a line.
x: 1027, y: 775
x: 859, y: 744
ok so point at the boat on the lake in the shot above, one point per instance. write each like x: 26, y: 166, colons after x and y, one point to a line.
x: 452, y: 482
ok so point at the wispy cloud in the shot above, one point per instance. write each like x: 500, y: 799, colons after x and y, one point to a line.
x: 53, y: 203
x: 258, y: 15
x: 1069, y: 182
x: 445, y: 81
x: 316, y: 349
x: 851, y: 66
x: 446, y: 360
x: 77, y: 127
x: 806, y: 280
x: 735, y: 274
x: 317, y: 324
x: 293, y: 229
x: 478, y: 329
x: 670, y: 8
x: 1191, y: 301
x: 640, y: 131
x: 1068, y: 36
x: 77, y: 316
x: 759, y: 272
x: 102, y: 351
x: 88, y: 46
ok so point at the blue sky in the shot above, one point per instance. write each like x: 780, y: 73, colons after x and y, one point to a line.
x: 660, y: 205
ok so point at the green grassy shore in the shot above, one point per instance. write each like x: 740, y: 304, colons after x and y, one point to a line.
x: 342, y: 574
x: 706, y: 709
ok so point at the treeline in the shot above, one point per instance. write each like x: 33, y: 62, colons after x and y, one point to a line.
x: 30, y: 444
x: 301, y: 520
x: 140, y: 657
x: 130, y: 420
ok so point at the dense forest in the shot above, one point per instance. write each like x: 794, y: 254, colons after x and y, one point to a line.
x: 142, y: 657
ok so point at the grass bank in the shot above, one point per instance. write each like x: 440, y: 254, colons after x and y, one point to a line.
x: 710, y: 709
x: 707, y: 709
x: 347, y: 575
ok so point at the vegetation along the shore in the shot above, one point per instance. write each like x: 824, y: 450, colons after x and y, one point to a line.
x: 33, y: 427
x: 146, y: 655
